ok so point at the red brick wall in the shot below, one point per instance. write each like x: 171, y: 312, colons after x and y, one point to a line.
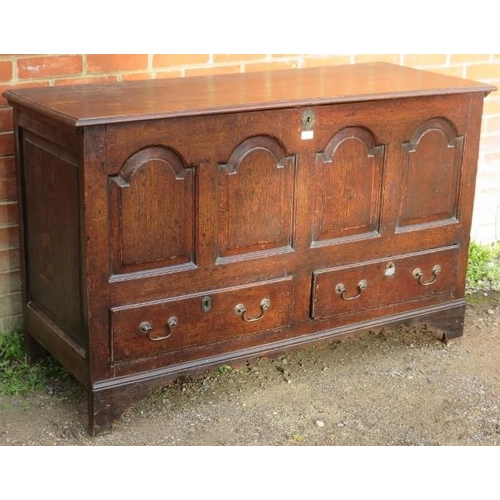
x: 34, y: 70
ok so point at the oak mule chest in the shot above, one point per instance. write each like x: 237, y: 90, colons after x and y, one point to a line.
x: 171, y: 226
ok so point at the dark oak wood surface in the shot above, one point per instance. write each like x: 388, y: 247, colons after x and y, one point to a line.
x: 172, y: 226
x: 109, y: 103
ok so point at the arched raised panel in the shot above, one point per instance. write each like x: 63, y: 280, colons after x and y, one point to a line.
x: 432, y: 162
x: 348, y: 187
x: 255, y: 200
x: 152, y: 209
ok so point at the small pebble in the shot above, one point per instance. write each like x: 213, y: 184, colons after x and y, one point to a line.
x: 491, y: 311
x: 320, y: 423
x: 341, y: 424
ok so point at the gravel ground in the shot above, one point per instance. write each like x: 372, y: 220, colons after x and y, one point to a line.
x: 400, y: 387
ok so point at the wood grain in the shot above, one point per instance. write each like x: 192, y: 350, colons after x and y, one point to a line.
x: 130, y: 101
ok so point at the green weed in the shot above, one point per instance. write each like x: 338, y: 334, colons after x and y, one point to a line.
x: 224, y: 369
x: 483, y: 270
x: 17, y: 376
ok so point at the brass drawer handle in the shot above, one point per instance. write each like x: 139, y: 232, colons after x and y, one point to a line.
x: 419, y: 275
x: 146, y: 327
x: 340, y: 289
x: 240, y: 309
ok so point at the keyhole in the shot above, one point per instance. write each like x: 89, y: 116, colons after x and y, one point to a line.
x: 206, y: 303
x: 307, y: 120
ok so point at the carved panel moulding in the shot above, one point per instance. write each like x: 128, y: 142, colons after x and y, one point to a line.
x: 152, y: 202
x: 432, y: 164
x: 256, y: 200
x: 348, y: 196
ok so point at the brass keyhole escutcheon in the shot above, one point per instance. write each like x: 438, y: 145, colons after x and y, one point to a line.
x: 307, y: 119
x: 206, y: 303
x: 390, y: 270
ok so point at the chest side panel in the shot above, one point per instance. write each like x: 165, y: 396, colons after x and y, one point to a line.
x: 50, y: 192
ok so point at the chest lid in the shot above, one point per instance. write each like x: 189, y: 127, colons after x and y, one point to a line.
x: 92, y: 104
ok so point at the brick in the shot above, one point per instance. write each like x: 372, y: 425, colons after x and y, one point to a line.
x: 10, y: 323
x: 9, y: 213
x: 489, y: 179
x: 467, y: 58
x: 483, y: 71
x: 35, y: 83
x: 424, y: 59
x: 271, y: 66
x: 390, y: 58
x: 6, y: 143
x: 138, y: 76
x: 152, y: 75
x: 491, y: 124
x: 9, y: 237
x: 170, y: 60
x: 48, y: 66
x: 10, y: 282
x: 226, y: 58
x: 449, y: 71
x: 490, y: 144
x: 212, y: 70
x: 311, y: 61
x: 7, y: 167
x: 485, y: 233
x: 104, y: 63
x: 9, y: 260
x: 8, y: 189
x: 492, y: 159
x: 6, y: 68
x: 10, y: 304
x: 492, y: 106
x: 6, y: 122
x: 84, y: 80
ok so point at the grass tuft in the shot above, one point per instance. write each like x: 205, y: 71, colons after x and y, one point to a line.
x: 17, y: 376
x: 483, y: 270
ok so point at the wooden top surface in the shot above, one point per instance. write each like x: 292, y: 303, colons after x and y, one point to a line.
x: 79, y: 105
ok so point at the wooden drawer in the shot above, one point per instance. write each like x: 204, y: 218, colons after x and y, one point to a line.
x: 372, y: 285
x: 150, y: 328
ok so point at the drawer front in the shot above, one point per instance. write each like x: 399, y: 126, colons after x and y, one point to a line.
x: 154, y: 327
x: 371, y: 285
